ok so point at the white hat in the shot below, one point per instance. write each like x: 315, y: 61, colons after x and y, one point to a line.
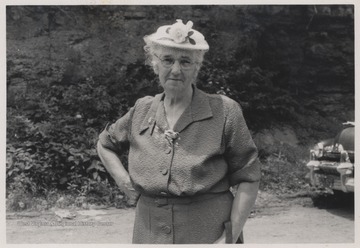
x: 179, y: 35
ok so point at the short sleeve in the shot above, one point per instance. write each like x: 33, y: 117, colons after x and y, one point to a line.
x: 240, y: 151
x: 116, y: 136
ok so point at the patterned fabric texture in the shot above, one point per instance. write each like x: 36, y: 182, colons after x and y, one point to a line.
x: 210, y: 150
x: 214, y: 149
x: 198, y: 222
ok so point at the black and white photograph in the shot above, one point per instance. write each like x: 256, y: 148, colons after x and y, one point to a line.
x: 152, y: 123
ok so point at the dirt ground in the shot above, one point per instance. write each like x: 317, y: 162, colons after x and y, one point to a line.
x: 291, y: 220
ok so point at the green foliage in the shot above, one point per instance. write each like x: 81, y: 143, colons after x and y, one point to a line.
x: 284, y: 169
x: 263, y: 103
x: 52, y: 135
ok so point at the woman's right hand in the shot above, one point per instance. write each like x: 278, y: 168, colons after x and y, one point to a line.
x: 116, y: 169
x: 130, y: 192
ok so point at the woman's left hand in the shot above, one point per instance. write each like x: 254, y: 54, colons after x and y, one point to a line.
x: 222, y: 239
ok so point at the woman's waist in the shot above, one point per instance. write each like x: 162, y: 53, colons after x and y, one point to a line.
x: 168, y: 200
x: 172, y: 188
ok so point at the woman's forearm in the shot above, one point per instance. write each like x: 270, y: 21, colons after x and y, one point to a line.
x: 116, y: 169
x: 243, y: 203
x: 113, y: 164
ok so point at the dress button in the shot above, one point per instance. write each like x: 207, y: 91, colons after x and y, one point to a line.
x: 166, y: 229
x: 164, y: 171
x: 168, y: 150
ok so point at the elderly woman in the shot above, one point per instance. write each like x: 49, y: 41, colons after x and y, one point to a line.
x: 186, y: 149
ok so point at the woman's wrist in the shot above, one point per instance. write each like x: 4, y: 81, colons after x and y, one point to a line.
x: 123, y: 181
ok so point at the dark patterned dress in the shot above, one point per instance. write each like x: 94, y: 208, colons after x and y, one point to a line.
x: 184, y: 175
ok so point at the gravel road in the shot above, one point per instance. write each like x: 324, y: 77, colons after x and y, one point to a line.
x: 274, y: 221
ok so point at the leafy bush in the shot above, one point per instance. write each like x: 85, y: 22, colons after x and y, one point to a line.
x: 263, y: 103
x: 52, y: 135
x: 51, y: 141
x: 284, y: 169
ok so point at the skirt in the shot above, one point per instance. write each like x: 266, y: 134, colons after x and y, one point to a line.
x: 182, y: 220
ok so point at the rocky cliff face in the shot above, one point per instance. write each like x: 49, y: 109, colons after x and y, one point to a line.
x: 310, y: 49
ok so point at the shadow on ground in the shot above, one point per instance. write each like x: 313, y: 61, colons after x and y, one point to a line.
x: 340, y: 204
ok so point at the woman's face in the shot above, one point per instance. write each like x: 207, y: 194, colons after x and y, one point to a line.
x: 177, y: 69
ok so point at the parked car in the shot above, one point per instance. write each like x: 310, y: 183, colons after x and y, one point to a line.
x: 331, y: 162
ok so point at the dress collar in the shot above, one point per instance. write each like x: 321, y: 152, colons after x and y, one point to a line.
x: 199, y: 109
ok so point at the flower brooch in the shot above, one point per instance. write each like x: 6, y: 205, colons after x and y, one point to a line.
x: 171, y: 135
